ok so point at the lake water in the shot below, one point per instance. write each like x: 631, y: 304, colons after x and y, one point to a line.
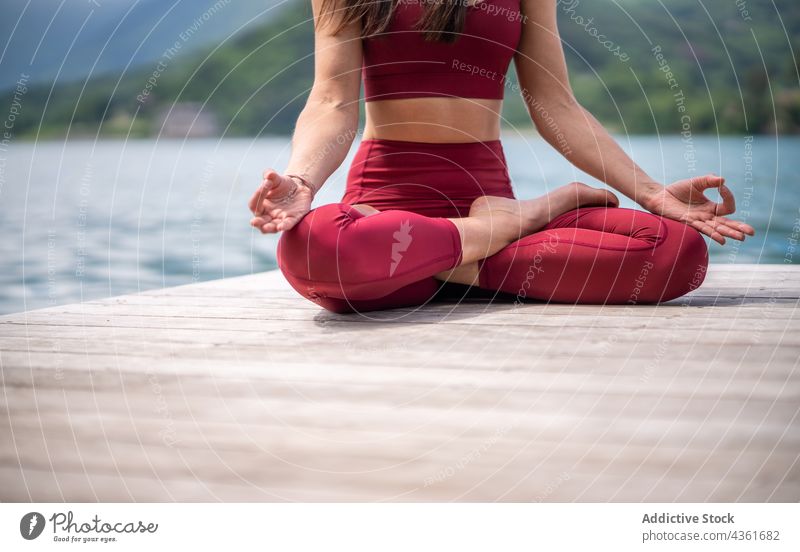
x: 84, y: 220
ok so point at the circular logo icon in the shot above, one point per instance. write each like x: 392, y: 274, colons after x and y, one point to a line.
x: 31, y: 525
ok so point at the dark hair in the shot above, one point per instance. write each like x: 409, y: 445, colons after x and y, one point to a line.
x: 442, y: 20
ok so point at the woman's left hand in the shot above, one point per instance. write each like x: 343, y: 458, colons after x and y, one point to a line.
x: 686, y: 202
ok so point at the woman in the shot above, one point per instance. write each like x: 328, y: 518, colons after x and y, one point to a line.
x: 428, y: 196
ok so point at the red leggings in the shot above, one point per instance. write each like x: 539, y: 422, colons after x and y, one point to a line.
x: 346, y: 261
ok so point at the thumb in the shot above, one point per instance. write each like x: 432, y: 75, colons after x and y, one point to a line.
x: 271, y: 179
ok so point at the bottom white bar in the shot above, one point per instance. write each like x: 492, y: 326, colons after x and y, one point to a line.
x: 390, y: 527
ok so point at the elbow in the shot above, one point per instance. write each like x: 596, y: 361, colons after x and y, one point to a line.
x: 330, y: 102
x: 540, y: 105
x: 550, y: 111
x: 335, y: 100
x: 333, y: 106
x: 553, y: 117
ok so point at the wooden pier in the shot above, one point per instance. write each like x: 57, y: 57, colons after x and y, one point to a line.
x: 240, y: 390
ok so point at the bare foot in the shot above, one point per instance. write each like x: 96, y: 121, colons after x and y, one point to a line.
x: 495, y: 222
x: 519, y: 218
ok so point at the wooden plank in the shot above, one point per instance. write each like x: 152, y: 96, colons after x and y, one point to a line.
x: 262, y: 310
x: 386, y: 473
x: 509, y: 334
x: 728, y: 362
x: 274, y: 456
x: 241, y: 390
x: 347, y: 363
x: 446, y: 412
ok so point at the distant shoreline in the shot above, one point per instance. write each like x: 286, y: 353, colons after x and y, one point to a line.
x: 508, y: 131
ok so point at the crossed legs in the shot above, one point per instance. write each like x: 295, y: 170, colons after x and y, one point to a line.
x: 354, y: 258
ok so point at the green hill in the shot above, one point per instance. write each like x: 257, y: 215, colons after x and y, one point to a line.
x: 734, y: 73
x: 731, y: 66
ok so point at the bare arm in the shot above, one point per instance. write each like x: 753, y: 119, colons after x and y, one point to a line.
x: 559, y: 118
x: 568, y: 127
x: 324, y: 131
x: 328, y: 123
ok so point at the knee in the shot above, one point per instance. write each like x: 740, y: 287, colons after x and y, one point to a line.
x: 694, y: 259
x: 687, y: 259
x: 308, y: 249
x: 321, y: 256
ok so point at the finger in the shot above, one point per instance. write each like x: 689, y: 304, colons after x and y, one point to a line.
x: 277, y: 212
x: 269, y: 228
x: 270, y: 182
x: 269, y: 174
x: 728, y: 204
x: 287, y: 223
x: 726, y: 230
x: 259, y: 197
x: 708, y: 181
x: 702, y: 183
x: 256, y: 199
x: 258, y: 222
x: 740, y: 226
x: 744, y: 229
x: 709, y: 231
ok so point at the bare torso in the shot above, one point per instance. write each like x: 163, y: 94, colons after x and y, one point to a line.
x: 434, y: 120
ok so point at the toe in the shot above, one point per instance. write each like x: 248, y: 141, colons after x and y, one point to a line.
x: 611, y: 199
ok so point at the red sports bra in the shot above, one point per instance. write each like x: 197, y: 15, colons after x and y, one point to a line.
x: 400, y: 63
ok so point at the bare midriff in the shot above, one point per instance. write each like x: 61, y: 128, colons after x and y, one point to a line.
x: 433, y: 119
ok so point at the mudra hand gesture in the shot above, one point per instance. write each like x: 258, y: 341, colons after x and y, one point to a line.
x: 280, y: 202
x: 685, y: 201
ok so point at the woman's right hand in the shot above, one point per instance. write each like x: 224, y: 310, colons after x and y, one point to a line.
x: 279, y: 203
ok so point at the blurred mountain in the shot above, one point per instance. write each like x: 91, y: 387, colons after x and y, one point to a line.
x: 715, y: 66
x: 74, y: 38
